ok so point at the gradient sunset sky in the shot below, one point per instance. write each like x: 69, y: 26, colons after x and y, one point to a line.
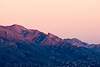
x: 64, y: 18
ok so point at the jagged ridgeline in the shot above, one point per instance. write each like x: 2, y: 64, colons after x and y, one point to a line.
x: 22, y: 47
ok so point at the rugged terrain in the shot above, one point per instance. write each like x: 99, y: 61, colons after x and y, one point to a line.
x: 22, y: 47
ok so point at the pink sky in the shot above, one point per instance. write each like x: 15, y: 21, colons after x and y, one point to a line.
x: 64, y: 18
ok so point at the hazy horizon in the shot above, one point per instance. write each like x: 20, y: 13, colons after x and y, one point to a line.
x: 64, y: 18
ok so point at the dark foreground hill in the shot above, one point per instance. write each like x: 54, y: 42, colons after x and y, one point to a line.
x: 21, y: 47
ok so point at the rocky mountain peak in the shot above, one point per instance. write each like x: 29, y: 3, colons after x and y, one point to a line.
x: 17, y: 28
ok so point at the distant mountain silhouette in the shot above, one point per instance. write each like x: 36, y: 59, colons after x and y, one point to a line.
x: 22, y: 47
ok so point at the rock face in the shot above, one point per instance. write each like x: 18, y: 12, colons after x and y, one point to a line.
x: 18, y: 33
x: 51, y: 40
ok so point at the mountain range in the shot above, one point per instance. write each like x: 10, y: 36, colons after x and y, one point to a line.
x: 17, y: 33
x: 22, y: 47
